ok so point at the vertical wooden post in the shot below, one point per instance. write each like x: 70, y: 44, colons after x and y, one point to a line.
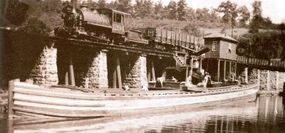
x: 187, y: 71
x: 148, y: 74
x: 10, y: 100
x: 218, y: 72
x: 230, y: 68
x: 216, y: 123
x: 191, y: 70
x: 152, y: 71
x: 236, y: 70
x: 275, y: 109
x: 266, y: 107
x: 258, y: 77
x: 119, y: 73
x: 277, y: 80
x: 114, y: 78
x: 71, y: 72
x: 246, y: 74
x: 10, y: 125
x: 268, y: 80
x: 66, y: 78
x: 201, y: 63
x: 86, y: 83
x: 225, y: 70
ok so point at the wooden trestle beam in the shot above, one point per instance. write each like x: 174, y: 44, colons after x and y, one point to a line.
x: 125, y: 48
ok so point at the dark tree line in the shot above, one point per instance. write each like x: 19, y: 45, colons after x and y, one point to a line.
x: 46, y: 14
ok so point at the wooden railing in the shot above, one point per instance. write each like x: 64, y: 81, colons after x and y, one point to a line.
x: 272, y: 63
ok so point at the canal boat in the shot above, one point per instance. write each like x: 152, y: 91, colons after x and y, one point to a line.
x: 57, y: 101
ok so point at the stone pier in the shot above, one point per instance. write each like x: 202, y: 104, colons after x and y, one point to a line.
x: 97, y: 74
x: 137, y: 74
x: 45, y: 70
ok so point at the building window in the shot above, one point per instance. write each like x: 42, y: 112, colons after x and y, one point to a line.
x: 214, y: 46
x: 230, y: 47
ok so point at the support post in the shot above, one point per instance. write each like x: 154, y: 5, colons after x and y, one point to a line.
x: 66, y: 78
x: 152, y: 71
x: 187, y: 71
x: 230, y: 68
x: 191, y: 70
x: 236, y: 70
x: 10, y: 100
x: 71, y: 72
x: 246, y: 74
x: 201, y: 63
x: 148, y: 73
x: 277, y: 80
x: 218, y: 72
x: 119, y: 73
x: 258, y: 77
x: 114, y: 78
x: 268, y: 80
x: 225, y: 70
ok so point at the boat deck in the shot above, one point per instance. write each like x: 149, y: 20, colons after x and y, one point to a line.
x: 115, y: 92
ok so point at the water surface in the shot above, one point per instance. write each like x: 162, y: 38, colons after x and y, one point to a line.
x: 265, y: 115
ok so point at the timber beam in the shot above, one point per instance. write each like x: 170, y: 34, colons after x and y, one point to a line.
x: 139, y: 50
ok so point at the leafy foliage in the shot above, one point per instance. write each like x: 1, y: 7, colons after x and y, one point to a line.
x: 229, y: 11
x: 181, y: 12
x: 244, y: 15
x: 16, y: 12
x: 143, y: 8
x: 172, y: 10
x: 265, y: 45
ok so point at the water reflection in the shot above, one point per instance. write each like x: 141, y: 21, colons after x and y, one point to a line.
x: 264, y: 115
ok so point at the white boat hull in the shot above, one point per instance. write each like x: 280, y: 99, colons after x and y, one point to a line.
x: 58, y: 102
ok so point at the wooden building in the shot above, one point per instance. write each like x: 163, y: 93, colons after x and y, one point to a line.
x: 221, y: 60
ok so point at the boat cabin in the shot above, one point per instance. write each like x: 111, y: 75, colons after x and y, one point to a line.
x: 221, y: 60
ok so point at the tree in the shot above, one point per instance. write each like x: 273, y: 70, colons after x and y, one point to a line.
x: 143, y: 8
x: 192, y: 29
x: 257, y: 17
x: 172, y: 10
x: 181, y: 10
x: 101, y: 3
x: 122, y: 5
x: 159, y: 11
x: 190, y: 14
x: 244, y: 15
x: 257, y: 10
x: 202, y: 14
x: 16, y: 12
x: 230, y: 12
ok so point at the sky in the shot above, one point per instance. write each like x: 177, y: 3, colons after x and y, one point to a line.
x: 275, y: 9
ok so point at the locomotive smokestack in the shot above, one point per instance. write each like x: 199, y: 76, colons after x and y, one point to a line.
x: 74, y: 5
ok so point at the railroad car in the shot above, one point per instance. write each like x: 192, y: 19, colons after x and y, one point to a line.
x: 161, y: 35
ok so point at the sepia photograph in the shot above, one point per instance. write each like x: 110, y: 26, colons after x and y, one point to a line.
x: 142, y: 66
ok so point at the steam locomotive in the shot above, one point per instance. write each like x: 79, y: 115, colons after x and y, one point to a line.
x: 104, y: 24
x: 110, y: 25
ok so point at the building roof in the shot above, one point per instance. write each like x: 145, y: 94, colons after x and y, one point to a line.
x: 221, y: 37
